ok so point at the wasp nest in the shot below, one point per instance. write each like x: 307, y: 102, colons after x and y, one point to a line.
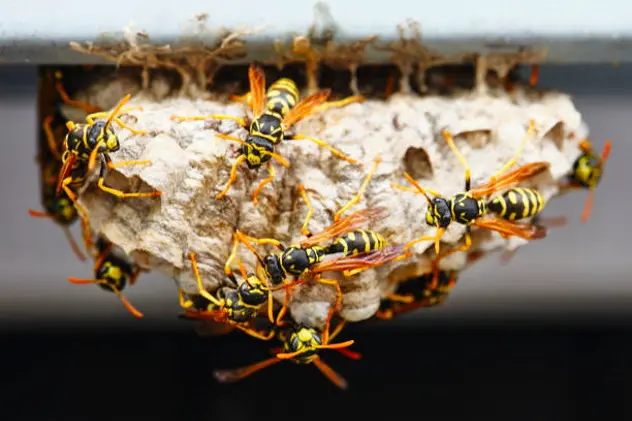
x: 190, y: 165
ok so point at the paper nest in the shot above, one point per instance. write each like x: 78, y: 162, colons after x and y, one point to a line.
x: 191, y: 165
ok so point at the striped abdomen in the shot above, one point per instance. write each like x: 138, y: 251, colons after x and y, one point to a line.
x: 358, y: 241
x: 281, y: 97
x: 517, y: 203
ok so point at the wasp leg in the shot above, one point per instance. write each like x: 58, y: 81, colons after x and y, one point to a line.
x: 450, y: 141
x: 116, y: 192
x: 418, y: 240
x: 231, y: 258
x: 324, y: 144
x: 339, y: 103
x: 534, y: 75
x: 261, y: 241
x: 332, y: 309
x: 337, y: 330
x: 232, y: 177
x: 435, y: 265
x: 125, y: 126
x: 406, y: 299
x: 384, y: 314
x: 404, y: 188
x: 356, y: 198
x: 310, y: 211
x: 255, y: 334
x: 203, y: 292
x: 83, y: 215
x: 50, y: 138
x: 185, y: 303
x: 237, y: 120
x: 59, y: 87
x: 272, y: 174
x: 286, y: 302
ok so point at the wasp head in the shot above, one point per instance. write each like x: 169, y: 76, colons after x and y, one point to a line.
x: 257, y: 151
x: 111, y: 275
x: 273, y: 269
x: 304, y: 340
x: 252, y: 291
x: 102, y: 133
x: 587, y: 170
x: 438, y: 213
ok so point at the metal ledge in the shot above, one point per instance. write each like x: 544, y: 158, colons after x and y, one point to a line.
x: 581, y: 31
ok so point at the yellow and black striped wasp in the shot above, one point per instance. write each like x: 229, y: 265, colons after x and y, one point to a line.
x: 84, y: 144
x: 419, y: 291
x: 274, y: 111
x: 361, y: 249
x: 235, y: 305
x: 301, y: 345
x: 112, y: 272
x: 472, y: 208
x: 58, y: 208
x: 587, y: 171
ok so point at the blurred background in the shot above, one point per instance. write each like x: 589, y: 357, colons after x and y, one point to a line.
x: 543, y: 337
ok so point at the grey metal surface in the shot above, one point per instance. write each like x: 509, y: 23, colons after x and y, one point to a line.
x: 579, y: 31
x: 581, y: 270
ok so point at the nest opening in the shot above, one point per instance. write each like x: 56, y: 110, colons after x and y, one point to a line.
x: 417, y: 163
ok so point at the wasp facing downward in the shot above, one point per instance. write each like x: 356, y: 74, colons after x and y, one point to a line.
x: 112, y: 272
x: 235, y: 305
x: 587, y: 171
x: 275, y: 111
x: 301, y: 345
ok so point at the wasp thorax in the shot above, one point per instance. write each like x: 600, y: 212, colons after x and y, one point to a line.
x: 273, y: 269
x: 438, y: 213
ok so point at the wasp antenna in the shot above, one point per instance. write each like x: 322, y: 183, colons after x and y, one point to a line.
x: 605, y: 153
x: 117, y: 109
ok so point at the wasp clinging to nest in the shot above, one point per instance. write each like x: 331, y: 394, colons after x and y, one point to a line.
x: 274, y: 111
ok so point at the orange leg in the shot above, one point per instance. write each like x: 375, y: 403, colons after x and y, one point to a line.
x: 435, y: 264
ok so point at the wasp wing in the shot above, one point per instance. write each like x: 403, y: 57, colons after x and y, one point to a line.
x: 360, y: 261
x: 257, y: 79
x: 506, y: 180
x: 511, y: 228
x: 349, y: 223
x: 305, y: 108
x: 64, y: 171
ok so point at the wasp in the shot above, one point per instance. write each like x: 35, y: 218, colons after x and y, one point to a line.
x: 112, y: 272
x: 419, y: 291
x: 361, y: 249
x: 301, y: 345
x: 275, y: 111
x: 587, y: 171
x: 58, y: 208
x: 236, y: 306
x: 84, y: 143
x: 471, y: 208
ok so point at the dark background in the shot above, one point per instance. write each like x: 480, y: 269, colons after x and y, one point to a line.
x: 544, y: 337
